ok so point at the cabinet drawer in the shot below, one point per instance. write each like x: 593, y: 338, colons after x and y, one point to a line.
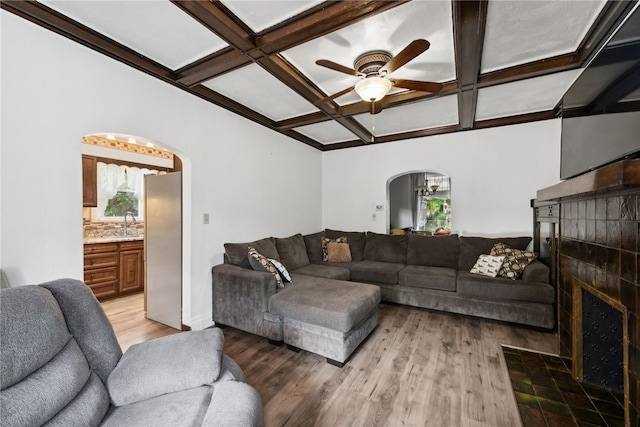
x: 100, y: 275
x: 104, y: 289
x: 130, y: 246
x: 96, y: 248
x: 100, y: 260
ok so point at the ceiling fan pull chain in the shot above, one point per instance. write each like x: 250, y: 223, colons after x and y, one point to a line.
x: 373, y: 124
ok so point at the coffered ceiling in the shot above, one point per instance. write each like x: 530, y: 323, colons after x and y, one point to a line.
x: 500, y: 61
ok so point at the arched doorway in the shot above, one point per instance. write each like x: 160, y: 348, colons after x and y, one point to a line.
x: 420, y: 202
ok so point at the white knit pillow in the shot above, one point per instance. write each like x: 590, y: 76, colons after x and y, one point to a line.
x: 488, y: 265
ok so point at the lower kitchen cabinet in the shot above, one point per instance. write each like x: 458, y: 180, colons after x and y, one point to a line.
x: 114, y: 269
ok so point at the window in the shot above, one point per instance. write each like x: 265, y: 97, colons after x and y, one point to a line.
x: 120, y: 190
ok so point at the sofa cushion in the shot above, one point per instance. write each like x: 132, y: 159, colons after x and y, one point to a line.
x: 292, y: 251
x: 333, y: 304
x: 237, y: 253
x: 421, y: 276
x: 386, y: 248
x: 357, y: 241
x: 433, y: 251
x: 166, y: 365
x: 515, y: 260
x: 376, y: 272
x: 260, y: 262
x: 313, y: 243
x: 502, y: 289
x: 338, y: 272
x: 472, y: 247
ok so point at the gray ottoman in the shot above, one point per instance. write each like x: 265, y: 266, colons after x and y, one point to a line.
x: 325, y: 316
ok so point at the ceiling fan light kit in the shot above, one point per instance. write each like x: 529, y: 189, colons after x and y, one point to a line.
x: 373, y: 89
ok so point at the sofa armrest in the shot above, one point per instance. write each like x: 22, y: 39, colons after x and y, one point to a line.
x: 166, y: 365
x: 241, y: 296
x: 536, y: 272
x: 234, y: 404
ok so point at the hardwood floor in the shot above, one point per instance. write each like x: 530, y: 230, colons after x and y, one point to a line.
x: 417, y: 368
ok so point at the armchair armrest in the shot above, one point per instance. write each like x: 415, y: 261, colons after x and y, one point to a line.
x: 166, y: 365
x: 241, y: 296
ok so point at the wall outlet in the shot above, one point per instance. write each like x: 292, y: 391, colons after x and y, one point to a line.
x: 205, y: 218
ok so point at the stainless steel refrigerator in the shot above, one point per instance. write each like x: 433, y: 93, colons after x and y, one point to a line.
x: 163, y: 248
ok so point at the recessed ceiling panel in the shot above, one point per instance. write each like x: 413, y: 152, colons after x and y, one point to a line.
x: 326, y: 132
x: 524, y: 96
x: 390, y: 31
x: 155, y: 29
x: 420, y: 115
x: 519, y: 32
x: 260, y: 91
x: 260, y: 15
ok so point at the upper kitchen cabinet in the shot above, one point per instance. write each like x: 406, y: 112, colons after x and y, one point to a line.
x: 89, y: 182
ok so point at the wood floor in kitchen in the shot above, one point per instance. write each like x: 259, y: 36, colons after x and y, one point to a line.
x: 417, y: 368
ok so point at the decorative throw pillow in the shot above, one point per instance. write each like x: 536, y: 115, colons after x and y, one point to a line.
x: 338, y: 252
x: 261, y: 263
x: 515, y: 261
x: 326, y: 240
x: 286, y: 277
x: 488, y: 265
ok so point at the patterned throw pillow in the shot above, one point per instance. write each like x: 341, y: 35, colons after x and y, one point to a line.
x: 338, y: 252
x: 488, y: 265
x: 281, y: 269
x: 261, y: 263
x: 515, y: 261
x: 326, y: 240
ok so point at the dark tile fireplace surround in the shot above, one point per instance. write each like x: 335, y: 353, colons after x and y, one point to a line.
x: 598, y: 263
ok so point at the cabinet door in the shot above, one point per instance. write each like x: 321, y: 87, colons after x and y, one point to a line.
x: 89, y: 181
x: 131, y: 264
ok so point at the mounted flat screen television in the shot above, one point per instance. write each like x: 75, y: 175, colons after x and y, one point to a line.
x: 601, y: 110
x: 592, y: 141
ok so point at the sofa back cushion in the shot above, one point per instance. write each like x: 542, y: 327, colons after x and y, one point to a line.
x: 357, y: 241
x: 313, y: 243
x: 386, y: 248
x: 433, y: 251
x: 237, y: 253
x: 292, y: 251
x: 44, y: 374
x: 472, y: 247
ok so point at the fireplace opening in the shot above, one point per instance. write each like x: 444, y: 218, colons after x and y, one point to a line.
x: 602, y: 343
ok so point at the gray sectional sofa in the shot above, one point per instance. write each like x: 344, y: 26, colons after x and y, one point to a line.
x: 329, y: 308
x: 61, y: 365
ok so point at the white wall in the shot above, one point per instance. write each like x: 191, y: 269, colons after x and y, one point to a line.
x: 252, y: 181
x: 494, y: 175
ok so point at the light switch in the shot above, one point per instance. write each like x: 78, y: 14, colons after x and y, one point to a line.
x: 373, y: 217
x: 206, y: 218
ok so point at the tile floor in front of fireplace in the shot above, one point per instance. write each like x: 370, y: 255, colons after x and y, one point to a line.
x: 547, y: 394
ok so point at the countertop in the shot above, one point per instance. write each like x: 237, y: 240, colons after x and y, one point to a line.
x: 112, y: 239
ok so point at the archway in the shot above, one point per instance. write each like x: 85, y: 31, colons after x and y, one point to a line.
x: 420, y: 202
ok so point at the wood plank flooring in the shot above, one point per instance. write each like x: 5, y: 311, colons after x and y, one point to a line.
x: 417, y: 368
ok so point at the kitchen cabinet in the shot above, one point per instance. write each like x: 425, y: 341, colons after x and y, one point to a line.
x: 89, y: 181
x: 114, y: 268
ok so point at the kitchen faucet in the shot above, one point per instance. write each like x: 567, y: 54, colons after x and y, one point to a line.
x: 126, y: 228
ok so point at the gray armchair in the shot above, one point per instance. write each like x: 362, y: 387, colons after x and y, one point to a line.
x: 61, y: 365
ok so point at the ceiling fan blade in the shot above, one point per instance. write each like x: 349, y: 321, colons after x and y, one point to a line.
x: 430, y: 87
x: 414, y: 49
x: 337, y: 67
x: 376, y: 107
x: 334, y: 96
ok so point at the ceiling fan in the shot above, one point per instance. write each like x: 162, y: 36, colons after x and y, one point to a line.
x: 373, y: 67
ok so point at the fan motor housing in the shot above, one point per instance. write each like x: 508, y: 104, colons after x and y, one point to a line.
x: 370, y: 62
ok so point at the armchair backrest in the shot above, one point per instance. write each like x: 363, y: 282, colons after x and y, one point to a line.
x: 57, y: 349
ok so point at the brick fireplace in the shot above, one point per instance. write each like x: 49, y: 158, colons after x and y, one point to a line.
x: 598, y: 256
